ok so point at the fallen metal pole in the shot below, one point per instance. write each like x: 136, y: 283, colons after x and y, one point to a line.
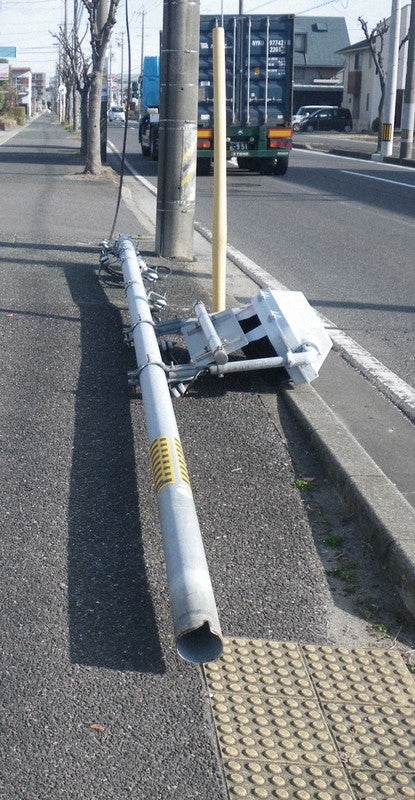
x: 195, y: 618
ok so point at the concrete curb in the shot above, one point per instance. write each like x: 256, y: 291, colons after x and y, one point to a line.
x: 386, y: 518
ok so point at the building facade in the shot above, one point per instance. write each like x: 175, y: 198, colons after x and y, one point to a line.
x: 21, y: 78
x: 362, y: 91
x: 319, y: 60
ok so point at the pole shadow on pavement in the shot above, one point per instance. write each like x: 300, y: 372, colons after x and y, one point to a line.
x: 111, y: 616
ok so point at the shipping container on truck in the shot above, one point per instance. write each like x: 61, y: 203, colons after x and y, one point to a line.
x: 259, y: 87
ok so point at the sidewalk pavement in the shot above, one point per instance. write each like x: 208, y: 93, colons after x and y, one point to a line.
x: 96, y: 701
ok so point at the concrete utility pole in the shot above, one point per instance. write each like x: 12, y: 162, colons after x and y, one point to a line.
x: 102, y: 16
x: 120, y: 43
x: 176, y: 194
x: 75, y: 100
x: 143, y: 13
x: 386, y: 145
x: 408, y: 110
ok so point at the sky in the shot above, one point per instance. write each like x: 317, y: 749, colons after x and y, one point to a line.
x: 29, y: 25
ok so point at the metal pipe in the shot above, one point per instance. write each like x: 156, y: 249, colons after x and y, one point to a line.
x: 213, y: 339
x: 195, y: 618
x: 290, y: 360
x: 220, y: 220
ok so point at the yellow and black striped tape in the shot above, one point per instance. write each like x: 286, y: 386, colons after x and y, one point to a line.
x: 162, y: 463
x: 183, y: 472
x: 386, y: 132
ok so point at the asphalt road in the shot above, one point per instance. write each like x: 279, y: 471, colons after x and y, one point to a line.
x: 95, y: 701
x: 343, y: 234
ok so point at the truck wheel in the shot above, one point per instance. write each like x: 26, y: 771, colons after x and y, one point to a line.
x: 203, y: 166
x: 281, y: 166
x: 266, y: 166
x: 153, y: 146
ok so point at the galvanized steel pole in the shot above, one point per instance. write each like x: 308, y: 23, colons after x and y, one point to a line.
x: 179, y: 74
x: 196, y: 624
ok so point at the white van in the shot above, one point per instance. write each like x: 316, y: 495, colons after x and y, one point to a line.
x: 303, y: 112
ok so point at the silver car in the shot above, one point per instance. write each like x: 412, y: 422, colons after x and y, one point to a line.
x: 116, y: 113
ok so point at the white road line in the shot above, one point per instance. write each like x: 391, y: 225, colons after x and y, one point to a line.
x: 374, y: 178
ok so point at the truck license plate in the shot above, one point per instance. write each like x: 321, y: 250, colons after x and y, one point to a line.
x: 239, y: 146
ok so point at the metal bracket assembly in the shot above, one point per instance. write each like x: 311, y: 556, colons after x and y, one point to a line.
x: 283, y: 321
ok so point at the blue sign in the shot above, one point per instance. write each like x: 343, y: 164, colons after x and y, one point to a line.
x: 7, y: 52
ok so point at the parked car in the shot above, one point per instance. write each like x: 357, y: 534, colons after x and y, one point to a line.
x: 328, y: 119
x: 303, y: 112
x: 116, y: 113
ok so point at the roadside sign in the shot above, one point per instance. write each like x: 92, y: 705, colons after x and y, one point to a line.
x: 7, y: 52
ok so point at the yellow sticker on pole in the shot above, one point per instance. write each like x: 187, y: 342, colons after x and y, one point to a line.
x: 184, y: 475
x: 386, y: 132
x: 162, y: 463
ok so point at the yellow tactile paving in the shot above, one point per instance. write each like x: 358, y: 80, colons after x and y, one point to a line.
x: 308, y: 722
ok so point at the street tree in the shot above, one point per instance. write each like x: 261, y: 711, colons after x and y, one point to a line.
x: 100, y: 38
x: 79, y: 65
x: 376, y: 42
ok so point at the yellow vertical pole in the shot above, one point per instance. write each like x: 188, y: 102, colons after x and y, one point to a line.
x: 220, y: 219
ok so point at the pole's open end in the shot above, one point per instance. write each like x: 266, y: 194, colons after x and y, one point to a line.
x: 200, y: 645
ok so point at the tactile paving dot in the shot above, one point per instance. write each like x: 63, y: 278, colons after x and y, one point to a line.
x: 249, y: 779
x: 305, y: 722
x: 372, y: 737
x: 382, y: 785
x: 269, y: 669
x: 359, y: 676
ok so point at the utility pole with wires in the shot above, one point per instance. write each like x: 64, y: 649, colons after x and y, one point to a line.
x: 143, y: 13
x: 408, y: 109
x: 179, y: 69
x: 386, y: 145
x: 75, y: 39
x: 102, y: 16
x: 120, y: 43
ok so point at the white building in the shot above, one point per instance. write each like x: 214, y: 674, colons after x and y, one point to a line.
x: 362, y: 86
x: 21, y: 78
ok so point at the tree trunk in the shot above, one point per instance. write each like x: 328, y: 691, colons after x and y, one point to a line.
x: 84, y: 120
x: 93, y: 160
x: 380, y: 113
